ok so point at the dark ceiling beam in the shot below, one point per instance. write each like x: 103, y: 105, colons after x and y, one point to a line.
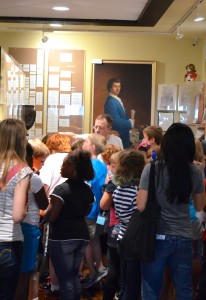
x: 154, y: 10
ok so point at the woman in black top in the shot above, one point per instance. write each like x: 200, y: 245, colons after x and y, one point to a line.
x: 70, y: 202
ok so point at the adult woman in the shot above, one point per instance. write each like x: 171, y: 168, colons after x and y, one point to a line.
x: 177, y: 180
x: 14, y: 183
x: 70, y: 202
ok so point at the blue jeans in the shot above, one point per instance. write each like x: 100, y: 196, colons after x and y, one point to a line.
x: 66, y: 257
x: 175, y: 252
x: 130, y: 288
x: 10, y: 264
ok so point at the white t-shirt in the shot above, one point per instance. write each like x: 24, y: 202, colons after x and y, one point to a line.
x: 50, y: 172
x: 32, y: 216
x: 115, y: 140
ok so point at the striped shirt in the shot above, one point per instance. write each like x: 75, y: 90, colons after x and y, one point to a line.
x: 125, y: 203
x: 10, y: 231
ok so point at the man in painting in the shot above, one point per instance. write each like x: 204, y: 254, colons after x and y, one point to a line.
x: 114, y: 107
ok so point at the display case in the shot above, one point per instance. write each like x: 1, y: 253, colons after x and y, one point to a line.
x: 12, y: 80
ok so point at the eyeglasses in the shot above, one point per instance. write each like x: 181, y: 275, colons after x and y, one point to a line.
x: 99, y: 127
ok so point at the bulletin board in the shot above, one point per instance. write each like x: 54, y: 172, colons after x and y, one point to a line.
x: 32, y: 62
x: 65, y: 103
x: 57, y: 94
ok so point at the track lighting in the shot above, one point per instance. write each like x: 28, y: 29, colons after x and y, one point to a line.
x: 44, y: 38
x: 179, y: 35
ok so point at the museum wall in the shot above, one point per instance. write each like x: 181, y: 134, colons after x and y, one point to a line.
x: 171, y: 55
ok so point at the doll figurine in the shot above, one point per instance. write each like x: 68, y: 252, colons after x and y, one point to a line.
x: 191, y: 73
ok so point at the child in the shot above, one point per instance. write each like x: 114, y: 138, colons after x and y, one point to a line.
x: 145, y: 147
x: 37, y: 200
x: 154, y: 135
x: 70, y: 202
x: 14, y: 183
x: 128, y: 170
x: 40, y: 153
x: 111, y: 284
x: 95, y: 144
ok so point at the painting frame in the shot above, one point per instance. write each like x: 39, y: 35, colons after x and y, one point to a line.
x: 165, y: 119
x: 102, y: 70
x: 167, y: 97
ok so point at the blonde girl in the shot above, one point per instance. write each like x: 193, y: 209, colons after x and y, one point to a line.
x: 14, y: 183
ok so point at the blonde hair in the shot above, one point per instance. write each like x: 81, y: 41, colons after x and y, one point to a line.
x: 39, y: 148
x: 99, y: 141
x: 114, y: 158
x: 12, y: 145
x: 59, y: 142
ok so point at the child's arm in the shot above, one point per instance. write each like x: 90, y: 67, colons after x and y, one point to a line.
x: 41, y: 199
x: 20, y: 198
x: 53, y: 210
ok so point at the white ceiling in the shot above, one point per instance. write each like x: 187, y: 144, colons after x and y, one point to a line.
x: 97, y: 15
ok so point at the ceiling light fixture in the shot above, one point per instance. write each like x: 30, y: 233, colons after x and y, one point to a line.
x: 179, y: 35
x: 198, y: 17
x: 44, y: 38
x: 60, y: 8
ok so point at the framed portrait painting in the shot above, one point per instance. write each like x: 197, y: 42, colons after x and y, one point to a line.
x: 137, y: 88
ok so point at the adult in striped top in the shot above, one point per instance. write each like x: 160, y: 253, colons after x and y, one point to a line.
x: 127, y: 175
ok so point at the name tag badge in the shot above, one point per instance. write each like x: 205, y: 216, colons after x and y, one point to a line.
x: 160, y: 237
x: 100, y: 220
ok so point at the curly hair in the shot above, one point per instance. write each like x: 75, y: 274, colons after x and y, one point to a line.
x: 59, y: 142
x: 110, y: 150
x: 129, y: 167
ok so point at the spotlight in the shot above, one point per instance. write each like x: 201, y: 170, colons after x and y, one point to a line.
x: 44, y: 39
x: 179, y: 35
x: 195, y: 41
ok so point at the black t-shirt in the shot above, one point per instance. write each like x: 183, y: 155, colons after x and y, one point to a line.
x: 76, y: 196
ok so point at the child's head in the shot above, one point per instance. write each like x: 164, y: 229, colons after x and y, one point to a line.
x: 146, y: 149
x: 58, y: 143
x: 77, y: 144
x: 41, y: 152
x: 129, y: 167
x: 77, y: 164
x: 95, y: 144
x: 153, y: 134
x: 113, y: 161
x: 110, y: 150
x: 12, y: 140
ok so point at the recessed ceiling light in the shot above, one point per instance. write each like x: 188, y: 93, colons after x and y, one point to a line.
x: 55, y: 25
x: 61, y: 8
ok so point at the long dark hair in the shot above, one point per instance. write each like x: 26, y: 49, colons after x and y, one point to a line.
x: 177, y: 152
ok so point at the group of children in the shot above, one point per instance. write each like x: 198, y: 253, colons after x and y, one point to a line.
x: 72, y: 184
